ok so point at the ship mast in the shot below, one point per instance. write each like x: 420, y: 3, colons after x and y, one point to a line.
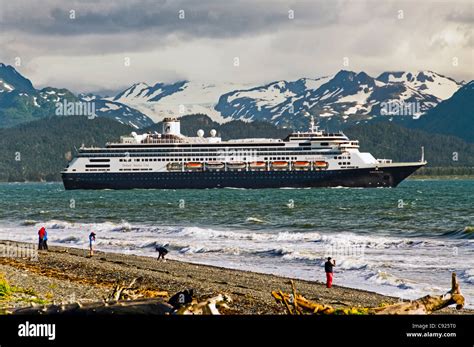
x: 313, y: 128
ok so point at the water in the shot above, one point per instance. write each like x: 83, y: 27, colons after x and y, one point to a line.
x: 403, y: 241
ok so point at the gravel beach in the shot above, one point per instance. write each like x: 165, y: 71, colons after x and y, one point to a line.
x: 68, y: 275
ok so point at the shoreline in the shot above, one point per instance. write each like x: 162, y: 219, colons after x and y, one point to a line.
x: 66, y: 274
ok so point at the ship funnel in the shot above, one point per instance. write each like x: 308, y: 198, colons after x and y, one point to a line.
x: 171, y: 126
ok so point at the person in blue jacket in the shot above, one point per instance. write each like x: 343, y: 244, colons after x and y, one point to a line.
x: 91, y: 244
x: 45, y: 240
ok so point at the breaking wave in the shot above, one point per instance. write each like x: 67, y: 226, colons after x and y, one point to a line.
x: 385, y: 278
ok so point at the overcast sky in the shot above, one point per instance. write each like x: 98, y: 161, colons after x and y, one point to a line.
x: 87, y: 45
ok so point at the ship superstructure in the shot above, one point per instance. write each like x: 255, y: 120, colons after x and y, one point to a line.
x: 314, y: 158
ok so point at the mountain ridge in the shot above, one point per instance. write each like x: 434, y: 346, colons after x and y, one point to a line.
x: 20, y: 102
x: 338, y: 101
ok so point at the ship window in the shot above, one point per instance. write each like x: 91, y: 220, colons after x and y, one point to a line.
x: 324, y: 144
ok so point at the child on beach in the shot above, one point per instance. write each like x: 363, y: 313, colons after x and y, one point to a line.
x: 91, y: 244
x: 329, y: 268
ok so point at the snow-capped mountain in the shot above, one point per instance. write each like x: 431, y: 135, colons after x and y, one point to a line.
x: 344, y: 98
x: 339, y: 100
x: 20, y: 102
x: 176, y: 99
x: 428, y: 82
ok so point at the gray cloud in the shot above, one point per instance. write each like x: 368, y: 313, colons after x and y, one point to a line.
x: 206, y: 18
x: 87, y: 52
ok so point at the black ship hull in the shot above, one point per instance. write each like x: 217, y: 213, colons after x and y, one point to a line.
x: 367, y: 178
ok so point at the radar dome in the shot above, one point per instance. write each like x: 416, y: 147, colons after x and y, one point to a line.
x: 200, y: 133
x: 213, y: 132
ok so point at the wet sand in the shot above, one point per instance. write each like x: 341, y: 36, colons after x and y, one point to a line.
x: 67, y: 275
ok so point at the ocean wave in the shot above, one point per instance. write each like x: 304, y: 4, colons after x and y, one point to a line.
x: 124, y: 226
x: 351, y: 264
x: 195, y: 250
x: 289, y: 254
x: 378, y: 242
x: 55, y: 224
x: 153, y: 244
x: 70, y: 239
x: 208, y: 233
x: 254, y: 220
x: 465, y: 233
x: 385, y: 278
x: 467, y: 276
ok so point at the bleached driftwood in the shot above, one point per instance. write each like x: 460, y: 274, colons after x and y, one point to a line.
x: 301, y: 304
x: 297, y: 304
x: 132, y: 292
x: 143, y: 306
x: 210, y: 306
x: 429, y: 303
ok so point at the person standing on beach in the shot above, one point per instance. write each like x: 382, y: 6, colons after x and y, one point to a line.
x: 45, y: 240
x: 91, y: 244
x: 41, y: 234
x: 329, y: 268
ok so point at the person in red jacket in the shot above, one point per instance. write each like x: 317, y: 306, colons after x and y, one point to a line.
x: 329, y: 268
x: 41, y: 235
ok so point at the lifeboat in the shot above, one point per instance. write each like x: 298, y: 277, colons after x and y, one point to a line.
x: 280, y: 165
x: 321, y: 164
x: 301, y: 165
x: 214, y: 165
x: 236, y: 165
x: 174, y: 166
x: 257, y: 165
x: 193, y: 166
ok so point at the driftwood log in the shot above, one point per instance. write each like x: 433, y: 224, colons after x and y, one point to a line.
x: 132, y: 292
x: 209, y: 306
x: 154, y: 306
x: 142, y: 306
x: 130, y: 299
x: 297, y: 304
x: 427, y: 304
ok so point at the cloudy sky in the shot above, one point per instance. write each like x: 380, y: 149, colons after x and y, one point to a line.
x: 108, y: 45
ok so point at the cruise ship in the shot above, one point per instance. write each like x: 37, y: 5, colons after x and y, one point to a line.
x: 170, y: 160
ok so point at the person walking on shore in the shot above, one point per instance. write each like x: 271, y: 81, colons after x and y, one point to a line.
x: 41, y: 234
x: 329, y: 268
x: 91, y: 244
